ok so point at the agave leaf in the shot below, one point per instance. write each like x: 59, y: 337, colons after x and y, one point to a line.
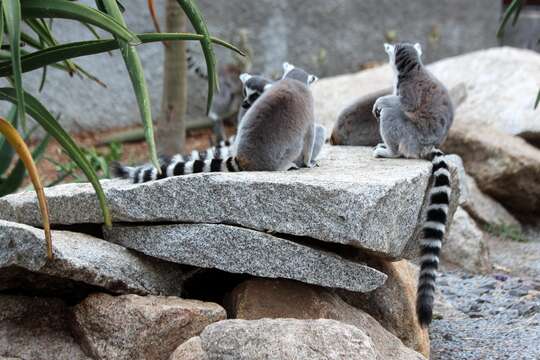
x: 514, y: 7
x: 15, y: 178
x: 12, y: 14
x: 76, y: 11
x: 136, y: 74
x: 13, y: 137
x: 59, y: 53
x: 199, y: 24
x: 6, y: 150
x: 37, y: 111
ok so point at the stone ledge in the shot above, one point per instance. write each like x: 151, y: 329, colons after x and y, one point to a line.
x: 238, y: 250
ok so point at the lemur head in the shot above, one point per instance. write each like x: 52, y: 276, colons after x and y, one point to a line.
x: 404, y: 56
x: 253, y: 87
x: 292, y: 72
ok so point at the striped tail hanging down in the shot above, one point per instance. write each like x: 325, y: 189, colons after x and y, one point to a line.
x: 433, y: 233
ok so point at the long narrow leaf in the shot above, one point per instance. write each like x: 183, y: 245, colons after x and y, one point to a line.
x: 37, y: 111
x: 199, y: 24
x: 537, y: 100
x: 136, y: 74
x: 59, y: 53
x: 76, y: 11
x: 12, y: 13
x: 1, y: 25
x: 17, y: 142
x: 515, y: 6
x: 16, y: 176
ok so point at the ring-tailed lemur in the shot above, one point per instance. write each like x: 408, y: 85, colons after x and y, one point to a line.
x: 276, y: 132
x: 414, y: 121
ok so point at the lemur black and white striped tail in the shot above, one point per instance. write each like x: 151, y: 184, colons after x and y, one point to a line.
x: 174, y: 166
x: 432, y: 236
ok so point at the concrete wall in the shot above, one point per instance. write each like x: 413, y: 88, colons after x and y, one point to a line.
x: 327, y: 37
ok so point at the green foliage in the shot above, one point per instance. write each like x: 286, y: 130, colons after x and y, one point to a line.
x: 12, y: 177
x: 23, y: 20
x: 506, y: 231
x: 99, y: 161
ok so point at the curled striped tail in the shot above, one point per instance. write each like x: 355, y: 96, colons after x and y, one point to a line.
x: 432, y: 236
x: 174, y: 166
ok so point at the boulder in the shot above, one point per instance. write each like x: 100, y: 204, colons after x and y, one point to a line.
x: 393, y: 305
x: 277, y: 339
x: 239, y: 250
x: 351, y: 198
x: 80, y: 258
x: 36, y: 328
x: 135, y: 327
x: 508, y: 106
x: 466, y: 245
x: 190, y: 350
x: 261, y: 298
x: 504, y: 166
x: 483, y: 208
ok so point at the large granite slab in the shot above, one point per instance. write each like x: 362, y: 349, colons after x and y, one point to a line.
x: 351, y: 198
x: 82, y: 258
x: 239, y: 250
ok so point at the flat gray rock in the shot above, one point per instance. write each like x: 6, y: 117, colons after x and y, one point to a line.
x: 351, y: 198
x: 84, y: 258
x: 239, y: 250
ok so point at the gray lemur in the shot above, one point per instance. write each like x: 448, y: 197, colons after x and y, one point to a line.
x: 275, y: 134
x: 414, y: 121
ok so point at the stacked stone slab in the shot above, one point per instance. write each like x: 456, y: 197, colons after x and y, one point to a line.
x: 272, y: 225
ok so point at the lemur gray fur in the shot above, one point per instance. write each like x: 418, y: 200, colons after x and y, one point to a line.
x: 276, y: 133
x: 414, y: 121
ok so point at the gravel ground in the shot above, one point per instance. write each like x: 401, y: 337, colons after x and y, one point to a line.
x: 494, y: 316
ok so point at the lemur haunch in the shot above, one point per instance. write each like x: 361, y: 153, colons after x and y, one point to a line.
x: 414, y: 121
x: 276, y: 132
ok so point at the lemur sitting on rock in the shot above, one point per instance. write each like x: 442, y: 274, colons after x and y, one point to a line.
x: 413, y: 122
x: 276, y: 133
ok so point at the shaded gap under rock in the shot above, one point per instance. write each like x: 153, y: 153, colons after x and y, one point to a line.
x: 18, y: 281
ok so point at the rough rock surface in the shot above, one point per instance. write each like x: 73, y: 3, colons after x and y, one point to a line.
x: 239, y: 250
x: 277, y: 339
x: 393, y: 304
x: 508, y: 107
x: 36, y: 328
x: 466, y: 245
x: 504, y: 166
x: 262, y: 298
x: 84, y: 258
x: 483, y: 208
x: 135, y: 327
x: 190, y: 350
x: 351, y: 198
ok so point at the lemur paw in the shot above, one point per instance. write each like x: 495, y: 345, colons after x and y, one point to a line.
x: 383, y: 152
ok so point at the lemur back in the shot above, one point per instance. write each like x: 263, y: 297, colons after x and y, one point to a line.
x: 414, y: 121
x: 283, y: 116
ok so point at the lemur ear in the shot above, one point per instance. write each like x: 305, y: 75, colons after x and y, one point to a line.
x: 287, y: 68
x: 267, y: 86
x: 418, y: 48
x: 389, y: 48
x: 312, y: 79
x: 245, y: 77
